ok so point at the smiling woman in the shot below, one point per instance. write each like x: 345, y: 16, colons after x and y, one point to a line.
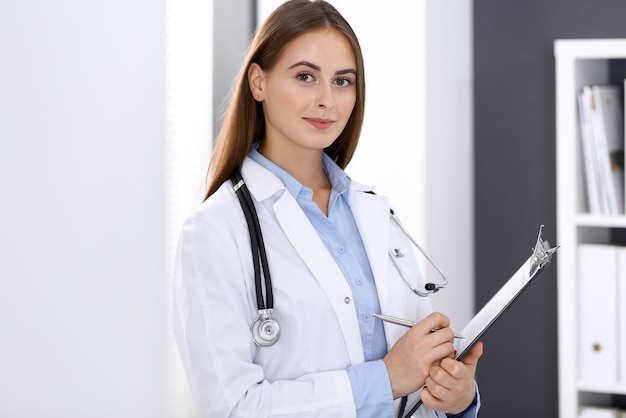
x: 307, y: 104
x: 292, y: 127
x: 265, y: 51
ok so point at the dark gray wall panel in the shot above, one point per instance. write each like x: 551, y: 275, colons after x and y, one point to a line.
x: 515, y: 185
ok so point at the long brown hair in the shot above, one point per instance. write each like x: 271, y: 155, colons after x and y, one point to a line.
x: 244, y: 121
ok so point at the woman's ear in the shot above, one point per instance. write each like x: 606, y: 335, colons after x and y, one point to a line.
x: 256, y: 77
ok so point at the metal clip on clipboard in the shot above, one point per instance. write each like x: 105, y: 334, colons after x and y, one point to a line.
x: 482, y: 321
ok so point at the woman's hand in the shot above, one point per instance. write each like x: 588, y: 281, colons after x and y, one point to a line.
x: 413, y: 356
x: 450, y: 385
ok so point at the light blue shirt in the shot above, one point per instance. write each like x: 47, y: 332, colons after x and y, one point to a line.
x: 370, y: 383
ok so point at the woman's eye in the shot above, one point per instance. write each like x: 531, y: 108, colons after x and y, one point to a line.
x: 306, y: 77
x: 343, y: 82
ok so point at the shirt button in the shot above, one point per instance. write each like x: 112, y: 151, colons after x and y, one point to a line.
x: 366, y: 318
x: 347, y: 299
x: 359, y: 281
x: 341, y: 250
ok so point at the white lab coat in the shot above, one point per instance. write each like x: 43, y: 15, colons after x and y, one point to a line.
x: 303, y: 374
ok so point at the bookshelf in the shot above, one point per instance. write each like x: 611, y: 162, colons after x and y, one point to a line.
x: 580, y: 62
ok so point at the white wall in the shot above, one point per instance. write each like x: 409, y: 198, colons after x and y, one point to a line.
x: 450, y: 152
x: 82, y: 214
x: 416, y: 145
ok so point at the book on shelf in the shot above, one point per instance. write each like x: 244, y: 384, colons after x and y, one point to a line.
x: 598, y: 272
x: 591, y: 170
x: 621, y: 315
x: 601, y: 289
x: 601, y: 116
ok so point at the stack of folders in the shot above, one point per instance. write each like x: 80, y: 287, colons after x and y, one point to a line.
x: 601, y: 288
x: 601, y: 115
x: 594, y: 412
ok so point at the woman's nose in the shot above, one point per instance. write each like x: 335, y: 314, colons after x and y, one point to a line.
x: 325, y: 97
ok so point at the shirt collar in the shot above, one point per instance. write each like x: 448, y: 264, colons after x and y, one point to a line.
x: 339, y: 180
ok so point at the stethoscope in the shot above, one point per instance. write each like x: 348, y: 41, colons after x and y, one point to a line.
x: 265, y: 329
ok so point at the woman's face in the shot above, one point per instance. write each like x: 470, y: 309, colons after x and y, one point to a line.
x: 309, y: 95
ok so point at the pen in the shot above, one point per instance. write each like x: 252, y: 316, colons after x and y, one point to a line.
x: 405, y: 323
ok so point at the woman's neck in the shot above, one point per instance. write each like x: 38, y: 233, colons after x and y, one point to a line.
x: 305, y: 165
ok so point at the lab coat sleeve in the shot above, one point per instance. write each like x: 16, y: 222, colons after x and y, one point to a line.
x: 212, y: 316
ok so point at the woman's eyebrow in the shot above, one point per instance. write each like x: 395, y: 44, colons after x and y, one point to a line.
x: 307, y: 64
x: 348, y: 71
x: 318, y: 68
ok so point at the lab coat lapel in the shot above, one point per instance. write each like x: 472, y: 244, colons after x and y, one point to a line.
x: 313, y: 252
x: 371, y: 214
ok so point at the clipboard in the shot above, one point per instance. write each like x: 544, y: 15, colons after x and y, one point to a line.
x: 501, y: 300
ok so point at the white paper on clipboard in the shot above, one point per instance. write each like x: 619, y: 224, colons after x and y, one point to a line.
x: 481, y: 322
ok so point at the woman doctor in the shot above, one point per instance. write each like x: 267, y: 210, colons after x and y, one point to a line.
x: 292, y: 126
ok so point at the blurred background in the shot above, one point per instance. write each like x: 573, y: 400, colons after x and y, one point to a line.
x: 107, y: 113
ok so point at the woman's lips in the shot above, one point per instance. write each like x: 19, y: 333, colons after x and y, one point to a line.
x: 320, y: 123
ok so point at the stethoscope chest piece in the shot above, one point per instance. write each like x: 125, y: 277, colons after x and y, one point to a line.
x: 265, y: 330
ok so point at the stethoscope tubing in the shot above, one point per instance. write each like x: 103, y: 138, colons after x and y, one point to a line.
x: 430, y: 287
x: 256, y: 242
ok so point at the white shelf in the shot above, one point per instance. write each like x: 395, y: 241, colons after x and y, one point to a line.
x: 602, y: 221
x: 578, y: 62
x: 590, y: 48
x: 596, y: 387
